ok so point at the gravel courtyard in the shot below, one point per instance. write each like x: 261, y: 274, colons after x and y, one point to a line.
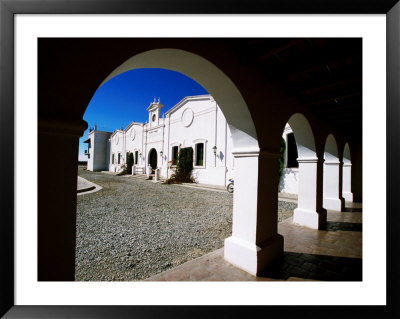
x: 133, y: 229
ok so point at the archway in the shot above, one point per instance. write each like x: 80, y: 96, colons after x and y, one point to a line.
x: 205, y: 73
x: 346, y: 179
x: 332, y: 197
x: 254, y: 243
x: 152, y: 159
x: 309, y: 211
x: 61, y: 125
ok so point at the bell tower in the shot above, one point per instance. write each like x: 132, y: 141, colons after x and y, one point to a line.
x: 154, y: 110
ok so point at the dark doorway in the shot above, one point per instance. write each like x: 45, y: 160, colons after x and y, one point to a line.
x: 153, y: 159
x: 292, y: 151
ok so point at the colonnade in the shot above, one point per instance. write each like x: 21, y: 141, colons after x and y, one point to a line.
x: 323, y: 178
x: 256, y: 135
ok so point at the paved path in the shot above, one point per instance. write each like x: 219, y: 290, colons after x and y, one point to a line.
x: 334, y: 254
x: 85, y: 187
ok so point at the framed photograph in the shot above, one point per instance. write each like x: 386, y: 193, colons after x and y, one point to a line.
x: 36, y: 39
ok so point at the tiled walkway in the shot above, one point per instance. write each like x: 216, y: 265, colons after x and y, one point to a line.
x: 331, y: 254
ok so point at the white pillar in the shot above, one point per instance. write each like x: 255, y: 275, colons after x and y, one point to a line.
x: 157, y: 175
x: 347, y: 194
x: 255, y: 242
x: 332, y: 200
x: 309, y: 211
x: 148, y: 171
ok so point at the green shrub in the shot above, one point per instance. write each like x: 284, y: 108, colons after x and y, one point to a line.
x: 183, y: 173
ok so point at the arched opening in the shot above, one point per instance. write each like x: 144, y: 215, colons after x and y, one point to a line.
x: 220, y: 87
x: 245, y: 147
x: 289, y: 177
x: 309, y: 211
x: 152, y: 159
x: 346, y: 179
x: 59, y: 130
x: 332, y: 170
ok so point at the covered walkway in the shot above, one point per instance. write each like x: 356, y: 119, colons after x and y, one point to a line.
x: 334, y: 254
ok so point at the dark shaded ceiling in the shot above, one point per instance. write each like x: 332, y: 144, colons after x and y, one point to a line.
x: 324, y: 74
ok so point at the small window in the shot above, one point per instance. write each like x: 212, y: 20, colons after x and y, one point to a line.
x: 199, y: 154
x: 154, y: 117
x: 136, y: 156
x: 292, y: 151
x: 112, y: 158
x: 119, y: 158
x: 175, y: 150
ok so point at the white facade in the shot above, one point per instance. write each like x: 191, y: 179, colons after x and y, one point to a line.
x: 197, y: 122
x: 98, y: 150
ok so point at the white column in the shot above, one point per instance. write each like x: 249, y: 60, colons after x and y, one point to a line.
x: 332, y: 200
x: 309, y: 211
x: 254, y: 243
x: 346, y: 190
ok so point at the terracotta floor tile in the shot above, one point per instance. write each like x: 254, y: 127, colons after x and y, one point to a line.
x: 309, y: 255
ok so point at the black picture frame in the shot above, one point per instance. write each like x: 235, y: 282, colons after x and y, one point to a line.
x: 9, y: 8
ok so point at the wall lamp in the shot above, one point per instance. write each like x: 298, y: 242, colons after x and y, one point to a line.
x: 161, y: 153
x: 214, y: 150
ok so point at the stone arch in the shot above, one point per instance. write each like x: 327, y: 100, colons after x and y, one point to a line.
x: 346, y: 154
x: 331, y: 150
x: 309, y: 211
x: 304, y: 136
x: 216, y: 82
x: 346, y: 174
x: 246, y: 151
x: 332, y: 177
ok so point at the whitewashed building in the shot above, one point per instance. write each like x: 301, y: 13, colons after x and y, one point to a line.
x: 197, y: 122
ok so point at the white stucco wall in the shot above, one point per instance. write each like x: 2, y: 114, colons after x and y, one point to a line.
x: 134, y: 134
x: 196, y: 119
x: 199, y: 120
x: 90, y: 151
x: 98, y: 159
x: 290, y: 181
x: 116, y: 147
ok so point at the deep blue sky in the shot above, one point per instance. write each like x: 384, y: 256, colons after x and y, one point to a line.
x: 125, y: 98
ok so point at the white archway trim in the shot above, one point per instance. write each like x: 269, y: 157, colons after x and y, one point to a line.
x: 346, y: 154
x: 309, y: 211
x: 304, y: 136
x: 332, y: 176
x: 331, y: 150
x: 211, y: 78
x: 346, y: 177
